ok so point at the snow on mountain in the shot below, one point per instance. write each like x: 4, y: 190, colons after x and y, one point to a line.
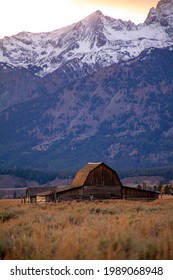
x: 94, y: 42
x: 121, y: 114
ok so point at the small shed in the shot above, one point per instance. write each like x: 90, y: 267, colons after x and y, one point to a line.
x: 32, y: 194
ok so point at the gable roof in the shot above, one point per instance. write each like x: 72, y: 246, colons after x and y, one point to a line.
x: 83, y: 173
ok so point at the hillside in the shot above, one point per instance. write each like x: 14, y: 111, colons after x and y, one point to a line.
x: 121, y: 115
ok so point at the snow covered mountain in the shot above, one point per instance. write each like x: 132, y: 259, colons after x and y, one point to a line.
x: 94, y: 42
x: 55, y: 115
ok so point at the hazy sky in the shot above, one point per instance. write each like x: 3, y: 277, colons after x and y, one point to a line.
x: 47, y: 15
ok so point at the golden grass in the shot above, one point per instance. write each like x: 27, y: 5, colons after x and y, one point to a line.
x: 87, y: 230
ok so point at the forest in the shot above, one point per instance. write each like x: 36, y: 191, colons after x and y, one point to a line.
x: 40, y: 176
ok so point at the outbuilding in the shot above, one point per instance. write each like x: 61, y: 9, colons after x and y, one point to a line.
x: 32, y: 194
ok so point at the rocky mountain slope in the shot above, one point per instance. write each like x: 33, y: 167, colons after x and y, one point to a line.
x: 98, y: 90
x: 121, y: 114
x: 162, y: 15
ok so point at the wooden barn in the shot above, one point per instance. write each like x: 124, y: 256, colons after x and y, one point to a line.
x: 95, y: 181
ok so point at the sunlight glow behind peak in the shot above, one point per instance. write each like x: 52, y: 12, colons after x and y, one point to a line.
x: 48, y: 15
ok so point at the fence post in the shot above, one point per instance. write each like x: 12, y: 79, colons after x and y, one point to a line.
x: 54, y: 196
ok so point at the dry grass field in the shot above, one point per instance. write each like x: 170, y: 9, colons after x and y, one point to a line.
x: 87, y: 230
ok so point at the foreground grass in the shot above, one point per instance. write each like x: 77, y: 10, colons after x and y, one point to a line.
x: 87, y: 230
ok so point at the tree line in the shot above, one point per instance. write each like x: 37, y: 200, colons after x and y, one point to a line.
x: 40, y: 176
x: 44, y: 176
x: 165, y: 172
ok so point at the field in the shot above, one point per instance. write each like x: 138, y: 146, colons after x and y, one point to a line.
x: 87, y: 230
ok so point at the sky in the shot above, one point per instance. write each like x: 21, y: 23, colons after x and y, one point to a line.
x: 48, y: 15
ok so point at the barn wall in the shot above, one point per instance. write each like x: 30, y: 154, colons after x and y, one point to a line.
x: 73, y: 194
x: 102, y: 175
x: 32, y: 199
x: 132, y: 193
x: 102, y: 192
x: 102, y: 183
x: 40, y: 199
x: 91, y: 193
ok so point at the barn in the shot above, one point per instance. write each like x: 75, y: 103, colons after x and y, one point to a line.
x: 95, y: 181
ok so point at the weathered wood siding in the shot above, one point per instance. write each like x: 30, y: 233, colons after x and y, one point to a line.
x: 102, y: 176
x: 138, y: 194
x: 103, y: 183
x: 33, y: 193
x: 73, y: 194
x: 32, y: 199
x: 102, y: 192
x: 40, y: 199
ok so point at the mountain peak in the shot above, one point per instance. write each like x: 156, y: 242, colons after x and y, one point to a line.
x: 98, y: 13
x: 95, y: 16
x: 94, y: 20
x: 95, y: 41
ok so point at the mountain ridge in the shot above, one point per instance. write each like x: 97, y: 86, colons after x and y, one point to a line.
x: 98, y: 102
x: 96, y: 41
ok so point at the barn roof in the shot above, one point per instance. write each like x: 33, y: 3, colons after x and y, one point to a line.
x: 57, y: 190
x: 141, y: 190
x: 83, y: 173
x: 36, y: 190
